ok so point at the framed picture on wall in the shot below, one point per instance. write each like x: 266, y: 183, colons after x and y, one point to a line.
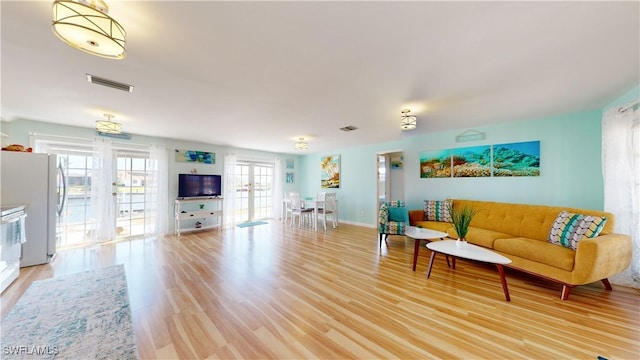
x: 290, y: 177
x: 474, y: 161
x: 517, y: 159
x: 330, y: 172
x: 435, y: 164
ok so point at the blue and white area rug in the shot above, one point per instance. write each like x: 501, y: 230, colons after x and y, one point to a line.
x: 252, y: 223
x: 79, y: 316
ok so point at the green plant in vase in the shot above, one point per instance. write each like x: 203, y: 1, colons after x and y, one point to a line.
x: 461, y: 219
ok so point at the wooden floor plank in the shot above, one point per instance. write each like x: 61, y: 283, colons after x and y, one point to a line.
x: 274, y: 292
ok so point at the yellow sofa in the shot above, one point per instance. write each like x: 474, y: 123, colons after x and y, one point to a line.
x: 520, y: 233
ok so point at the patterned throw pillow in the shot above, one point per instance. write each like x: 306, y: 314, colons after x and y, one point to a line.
x: 437, y: 210
x: 569, y: 228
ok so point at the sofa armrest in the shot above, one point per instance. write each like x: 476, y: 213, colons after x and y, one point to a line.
x: 601, y: 257
x: 415, y: 216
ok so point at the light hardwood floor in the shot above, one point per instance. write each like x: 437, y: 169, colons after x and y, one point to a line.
x: 270, y: 291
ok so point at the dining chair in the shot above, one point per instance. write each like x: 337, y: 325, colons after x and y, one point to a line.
x: 298, y: 209
x: 328, y: 209
x: 287, y: 206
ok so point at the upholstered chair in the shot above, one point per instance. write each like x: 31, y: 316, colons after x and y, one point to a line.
x: 392, y: 219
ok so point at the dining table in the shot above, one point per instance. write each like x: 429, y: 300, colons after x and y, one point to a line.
x: 308, y: 202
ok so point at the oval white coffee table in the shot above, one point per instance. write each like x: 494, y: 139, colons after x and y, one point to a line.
x: 418, y: 234
x: 470, y: 252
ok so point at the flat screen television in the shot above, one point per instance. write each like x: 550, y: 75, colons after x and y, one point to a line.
x: 199, y: 185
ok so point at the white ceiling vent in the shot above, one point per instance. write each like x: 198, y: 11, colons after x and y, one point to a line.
x: 109, y: 83
x: 348, y: 128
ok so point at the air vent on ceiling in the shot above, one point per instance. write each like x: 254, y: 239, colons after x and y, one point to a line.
x: 109, y: 83
x: 348, y: 128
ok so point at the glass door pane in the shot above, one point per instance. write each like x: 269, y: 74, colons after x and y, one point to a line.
x: 131, y: 176
x: 76, y: 222
x: 243, y: 189
x: 262, y: 194
x: 254, y: 191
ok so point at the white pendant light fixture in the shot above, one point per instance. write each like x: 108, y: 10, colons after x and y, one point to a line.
x: 302, y: 145
x: 85, y: 25
x: 108, y: 126
x: 407, y: 122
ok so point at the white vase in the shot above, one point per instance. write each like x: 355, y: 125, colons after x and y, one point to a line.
x: 461, y: 243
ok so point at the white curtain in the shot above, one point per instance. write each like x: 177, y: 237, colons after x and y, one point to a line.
x: 276, y: 211
x: 229, y: 190
x: 156, y: 191
x: 621, y: 172
x: 102, y: 188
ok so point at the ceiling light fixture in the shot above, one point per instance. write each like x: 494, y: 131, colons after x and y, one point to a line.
x: 407, y: 122
x: 85, y: 25
x: 108, y: 126
x: 302, y: 145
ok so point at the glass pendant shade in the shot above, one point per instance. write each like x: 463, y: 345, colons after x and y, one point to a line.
x: 108, y: 127
x: 86, y: 26
x: 301, y: 145
x: 407, y: 122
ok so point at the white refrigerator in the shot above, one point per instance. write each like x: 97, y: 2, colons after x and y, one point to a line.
x: 30, y: 179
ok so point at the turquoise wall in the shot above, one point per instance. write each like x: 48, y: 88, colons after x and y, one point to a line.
x: 571, y: 175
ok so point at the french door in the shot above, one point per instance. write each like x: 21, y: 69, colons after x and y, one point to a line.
x: 76, y: 222
x: 254, y: 190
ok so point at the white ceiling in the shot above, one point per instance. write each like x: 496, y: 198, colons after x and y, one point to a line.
x: 258, y: 75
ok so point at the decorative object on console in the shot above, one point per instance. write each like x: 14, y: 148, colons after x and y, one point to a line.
x: 407, y: 122
x: 85, y: 25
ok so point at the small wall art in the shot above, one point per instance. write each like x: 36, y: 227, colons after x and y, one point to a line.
x: 290, y: 177
x: 517, y: 159
x: 194, y: 156
x: 472, y: 161
x: 330, y: 172
x: 290, y: 163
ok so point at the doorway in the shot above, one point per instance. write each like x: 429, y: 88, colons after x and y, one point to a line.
x: 254, y: 190
x: 390, y: 177
x: 135, y: 211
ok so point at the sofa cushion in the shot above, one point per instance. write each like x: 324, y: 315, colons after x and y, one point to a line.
x: 398, y: 214
x: 480, y: 236
x: 437, y: 210
x: 434, y: 225
x: 569, y: 228
x: 538, y: 251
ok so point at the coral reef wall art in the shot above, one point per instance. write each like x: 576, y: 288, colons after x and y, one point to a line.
x: 472, y: 161
x: 509, y: 159
x: 435, y: 164
x: 517, y: 159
